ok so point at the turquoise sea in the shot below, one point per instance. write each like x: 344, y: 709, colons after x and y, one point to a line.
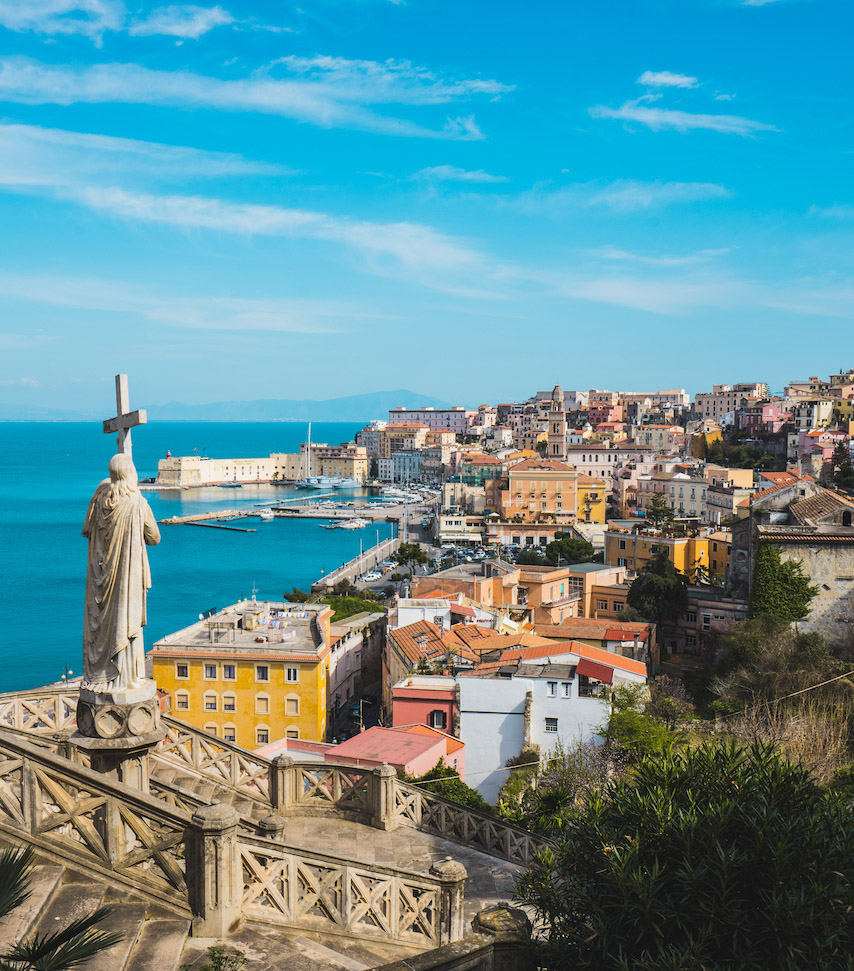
x: 48, y: 472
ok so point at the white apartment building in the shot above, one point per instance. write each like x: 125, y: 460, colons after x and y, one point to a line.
x: 454, y: 419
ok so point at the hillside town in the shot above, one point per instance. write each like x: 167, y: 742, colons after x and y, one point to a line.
x: 512, y: 615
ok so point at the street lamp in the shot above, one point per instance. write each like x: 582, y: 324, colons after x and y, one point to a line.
x: 68, y: 672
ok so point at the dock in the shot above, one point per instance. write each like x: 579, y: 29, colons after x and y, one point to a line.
x: 234, y: 529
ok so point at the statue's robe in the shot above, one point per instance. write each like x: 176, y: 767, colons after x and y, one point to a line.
x: 117, y: 580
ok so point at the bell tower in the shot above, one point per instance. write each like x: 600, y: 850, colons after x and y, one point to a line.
x: 557, y: 426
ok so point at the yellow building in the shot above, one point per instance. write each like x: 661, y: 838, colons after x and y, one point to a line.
x: 252, y: 673
x: 634, y: 548
x: 546, y: 489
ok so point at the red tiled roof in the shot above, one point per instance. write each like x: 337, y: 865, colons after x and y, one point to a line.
x: 418, y: 640
x: 542, y: 465
x: 618, y: 634
x: 572, y: 627
x: 463, y: 610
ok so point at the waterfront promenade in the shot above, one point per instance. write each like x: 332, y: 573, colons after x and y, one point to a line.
x: 358, y: 565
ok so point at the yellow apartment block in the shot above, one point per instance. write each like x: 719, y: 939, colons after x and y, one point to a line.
x: 252, y: 673
x: 633, y: 549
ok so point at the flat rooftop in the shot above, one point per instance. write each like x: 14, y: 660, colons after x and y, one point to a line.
x: 250, y: 628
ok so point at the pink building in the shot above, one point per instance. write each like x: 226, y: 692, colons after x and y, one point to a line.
x: 762, y: 417
x: 415, y: 749
x: 425, y: 700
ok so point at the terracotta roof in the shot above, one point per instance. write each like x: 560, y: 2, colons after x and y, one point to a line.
x: 463, y: 610
x: 599, y: 672
x: 805, y: 512
x: 562, y: 649
x: 542, y: 465
x: 472, y: 633
x: 418, y: 640
x: 572, y: 627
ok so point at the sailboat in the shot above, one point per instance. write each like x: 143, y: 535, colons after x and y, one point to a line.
x: 304, y: 480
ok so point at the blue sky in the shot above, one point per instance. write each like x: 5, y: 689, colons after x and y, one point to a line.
x: 470, y: 199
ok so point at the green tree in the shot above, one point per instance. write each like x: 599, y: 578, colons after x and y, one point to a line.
x: 631, y: 730
x: 565, y: 549
x: 660, y: 592
x: 780, y: 589
x: 659, y: 512
x: 374, y: 471
x: 842, y: 468
x: 409, y: 554
x: 531, y: 557
x: 443, y: 780
x: 719, y: 858
x: 58, y: 951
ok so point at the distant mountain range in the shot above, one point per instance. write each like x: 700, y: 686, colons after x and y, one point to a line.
x: 357, y: 407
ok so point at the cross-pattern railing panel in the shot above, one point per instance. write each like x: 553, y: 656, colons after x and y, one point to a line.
x: 333, y: 787
x: 82, y: 817
x: 424, y: 810
x: 328, y: 895
x: 195, y: 751
x: 40, y: 711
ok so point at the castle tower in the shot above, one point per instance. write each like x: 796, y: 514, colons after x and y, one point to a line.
x: 557, y: 426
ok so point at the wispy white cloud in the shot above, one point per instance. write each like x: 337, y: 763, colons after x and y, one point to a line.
x: 321, y: 91
x: 91, y: 18
x: 451, y: 173
x: 193, y: 312
x: 839, y: 212
x: 23, y: 342
x: 622, y: 195
x: 667, y: 79
x: 35, y: 156
x: 628, y: 194
x: 181, y: 20
x: 612, y: 253
x: 660, y: 119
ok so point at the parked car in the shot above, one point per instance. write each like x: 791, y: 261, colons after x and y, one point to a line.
x: 372, y: 577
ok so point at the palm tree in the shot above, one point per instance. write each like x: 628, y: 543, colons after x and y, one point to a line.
x: 61, y: 951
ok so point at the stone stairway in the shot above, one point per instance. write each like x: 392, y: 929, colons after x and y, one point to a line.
x: 157, y: 940
x: 209, y: 792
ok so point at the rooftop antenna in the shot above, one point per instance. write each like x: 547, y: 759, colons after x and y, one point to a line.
x: 254, y: 592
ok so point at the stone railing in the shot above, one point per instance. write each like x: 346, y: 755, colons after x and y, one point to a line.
x: 81, y: 818
x: 371, y: 796
x: 199, y: 860
x: 40, y: 710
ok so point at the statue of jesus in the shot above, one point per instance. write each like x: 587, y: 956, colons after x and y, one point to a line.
x: 119, y: 525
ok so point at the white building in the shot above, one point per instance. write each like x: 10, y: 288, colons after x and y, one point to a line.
x: 437, y: 419
x: 724, y: 399
x: 538, y: 702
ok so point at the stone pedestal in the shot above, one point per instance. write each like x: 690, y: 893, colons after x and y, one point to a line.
x: 119, y: 729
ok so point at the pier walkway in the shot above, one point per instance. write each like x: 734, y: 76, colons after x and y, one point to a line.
x: 358, y: 565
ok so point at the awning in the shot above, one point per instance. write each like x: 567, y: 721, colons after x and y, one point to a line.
x: 599, y: 672
x: 462, y: 609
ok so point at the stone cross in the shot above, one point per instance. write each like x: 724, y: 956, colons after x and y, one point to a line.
x: 125, y: 418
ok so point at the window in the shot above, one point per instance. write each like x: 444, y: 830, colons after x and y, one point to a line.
x: 229, y: 702
x: 551, y: 724
x: 691, y: 616
x: 262, y: 672
x: 622, y: 544
x: 551, y: 689
x: 292, y: 706
x: 210, y: 672
x: 601, y: 604
x: 438, y: 719
x: 229, y: 733
x: 262, y: 704
x: 618, y: 606
x: 182, y: 701
x: 210, y: 728
x: 707, y: 621
x: 621, y: 561
x: 210, y: 701
x: 262, y: 736
x: 292, y: 733
x: 292, y: 675
x: 565, y: 689
x: 229, y: 672
x: 714, y: 547
x: 690, y: 641
x: 182, y: 671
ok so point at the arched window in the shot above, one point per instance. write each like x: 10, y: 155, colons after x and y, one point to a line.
x: 211, y: 702
x: 182, y: 701
x: 292, y: 733
x: 846, y: 518
x: 229, y: 732
x: 211, y: 728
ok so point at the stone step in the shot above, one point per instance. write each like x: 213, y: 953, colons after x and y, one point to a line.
x: 126, y: 919
x: 329, y: 953
x: 76, y: 897
x: 159, y: 945
x: 43, y: 884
